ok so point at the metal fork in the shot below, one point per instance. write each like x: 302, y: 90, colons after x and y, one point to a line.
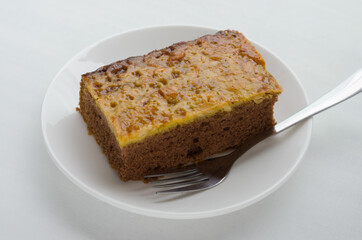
x: 211, y: 173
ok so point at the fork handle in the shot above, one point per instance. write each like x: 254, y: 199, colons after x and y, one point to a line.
x: 345, y: 90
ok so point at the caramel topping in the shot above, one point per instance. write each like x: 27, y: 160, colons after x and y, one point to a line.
x: 144, y: 95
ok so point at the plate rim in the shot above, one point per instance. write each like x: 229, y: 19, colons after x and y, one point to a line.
x: 156, y: 213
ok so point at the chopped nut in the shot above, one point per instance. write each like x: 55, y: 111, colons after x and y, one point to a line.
x: 97, y: 84
x: 181, y: 111
x: 169, y: 94
x: 138, y: 83
x: 175, y: 73
x: 158, y: 72
x: 215, y: 58
x: 118, y: 68
x: 177, y: 57
x: 163, y: 81
x: 153, y: 85
x: 257, y: 78
x: 145, y: 101
x: 130, y: 97
x: 137, y: 73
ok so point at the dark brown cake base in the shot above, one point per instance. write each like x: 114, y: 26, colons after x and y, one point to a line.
x: 179, y: 146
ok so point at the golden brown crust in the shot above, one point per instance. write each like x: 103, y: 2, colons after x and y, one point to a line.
x: 246, y: 48
x: 145, y: 95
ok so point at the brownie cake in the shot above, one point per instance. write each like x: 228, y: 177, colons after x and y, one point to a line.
x: 180, y: 104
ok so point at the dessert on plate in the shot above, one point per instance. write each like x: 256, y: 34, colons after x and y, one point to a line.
x: 178, y: 105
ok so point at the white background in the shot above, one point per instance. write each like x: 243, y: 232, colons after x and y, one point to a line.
x: 320, y: 40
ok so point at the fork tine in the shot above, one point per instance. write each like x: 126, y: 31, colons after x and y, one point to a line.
x: 193, y: 188
x: 173, y: 179
x: 171, y: 174
x: 183, y: 183
x: 190, y: 188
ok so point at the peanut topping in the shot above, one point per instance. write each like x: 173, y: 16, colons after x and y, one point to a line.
x: 169, y: 94
x: 177, y: 57
x: 144, y: 95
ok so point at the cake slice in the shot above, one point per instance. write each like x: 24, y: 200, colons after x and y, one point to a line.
x: 180, y: 104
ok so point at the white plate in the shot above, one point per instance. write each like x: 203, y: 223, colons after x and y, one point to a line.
x: 258, y: 173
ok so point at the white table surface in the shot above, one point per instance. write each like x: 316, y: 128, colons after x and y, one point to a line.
x: 320, y: 40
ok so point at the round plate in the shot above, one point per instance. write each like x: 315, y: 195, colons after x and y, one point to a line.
x: 254, y: 176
